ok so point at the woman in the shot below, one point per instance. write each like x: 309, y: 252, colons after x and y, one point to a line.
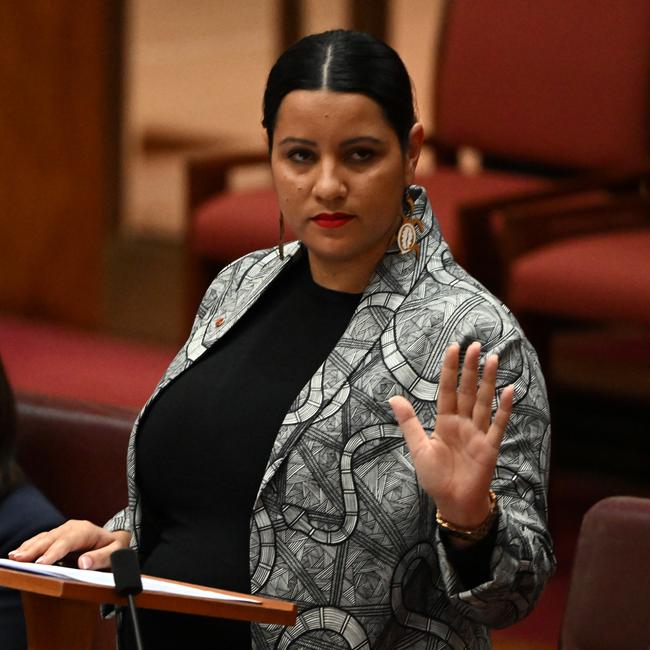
x: 24, y: 511
x: 275, y: 432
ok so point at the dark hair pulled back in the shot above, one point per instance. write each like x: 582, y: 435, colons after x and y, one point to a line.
x: 347, y: 62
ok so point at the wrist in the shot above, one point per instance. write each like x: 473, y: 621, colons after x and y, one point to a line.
x: 466, y: 512
x: 472, y: 526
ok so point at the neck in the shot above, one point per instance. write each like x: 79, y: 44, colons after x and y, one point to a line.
x: 348, y: 276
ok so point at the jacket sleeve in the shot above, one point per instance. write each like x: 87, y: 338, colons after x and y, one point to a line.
x: 522, y: 559
x: 119, y: 521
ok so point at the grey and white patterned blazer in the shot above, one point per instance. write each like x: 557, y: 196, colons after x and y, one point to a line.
x: 340, y: 525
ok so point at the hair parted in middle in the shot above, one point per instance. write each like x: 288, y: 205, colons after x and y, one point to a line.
x: 347, y: 62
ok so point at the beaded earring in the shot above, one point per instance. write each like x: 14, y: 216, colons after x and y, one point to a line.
x: 407, y: 233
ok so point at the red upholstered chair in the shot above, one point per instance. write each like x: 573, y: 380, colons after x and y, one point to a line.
x: 596, y: 272
x: 576, y: 251
x: 609, y: 592
x: 576, y: 256
x: 541, y: 89
x: 75, y: 453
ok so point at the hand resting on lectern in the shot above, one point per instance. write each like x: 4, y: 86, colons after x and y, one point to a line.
x: 95, y: 543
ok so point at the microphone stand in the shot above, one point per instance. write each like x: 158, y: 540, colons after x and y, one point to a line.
x: 126, y: 571
x: 136, y: 624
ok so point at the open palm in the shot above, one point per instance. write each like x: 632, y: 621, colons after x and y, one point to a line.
x: 455, y: 465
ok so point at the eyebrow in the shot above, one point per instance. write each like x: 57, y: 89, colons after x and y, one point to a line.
x: 292, y: 140
x: 345, y: 143
x: 362, y: 138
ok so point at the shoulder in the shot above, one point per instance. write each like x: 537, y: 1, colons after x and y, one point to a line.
x: 245, y: 276
x: 446, y: 305
x: 450, y: 305
x: 253, y: 269
x: 446, y: 300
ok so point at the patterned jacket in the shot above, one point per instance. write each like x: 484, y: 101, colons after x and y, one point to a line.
x: 340, y: 525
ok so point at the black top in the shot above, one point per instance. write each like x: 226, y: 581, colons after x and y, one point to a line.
x: 203, y: 445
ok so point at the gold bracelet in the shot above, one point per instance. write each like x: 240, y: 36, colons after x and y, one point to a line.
x: 472, y: 534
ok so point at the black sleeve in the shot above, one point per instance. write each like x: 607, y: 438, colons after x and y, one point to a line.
x: 472, y: 563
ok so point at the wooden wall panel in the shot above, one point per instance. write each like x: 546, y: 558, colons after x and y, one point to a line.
x: 59, y: 99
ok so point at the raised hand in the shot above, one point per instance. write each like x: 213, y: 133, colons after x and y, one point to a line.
x: 455, y: 465
x: 95, y: 542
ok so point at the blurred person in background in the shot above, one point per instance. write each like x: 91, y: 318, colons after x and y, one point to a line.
x: 24, y: 512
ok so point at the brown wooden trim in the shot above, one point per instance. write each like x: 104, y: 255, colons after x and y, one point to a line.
x: 264, y: 609
x: 289, y: 24
x: 525, y: 230
x: 438, y: 59
x: 54, y: 624
x: 369, y: 16
x: 59, y: 173
x: 115, y: 62
x: 206, y: 172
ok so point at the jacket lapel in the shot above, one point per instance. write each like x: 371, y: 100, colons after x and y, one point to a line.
x: 329, y: 388
x: 227, y: 304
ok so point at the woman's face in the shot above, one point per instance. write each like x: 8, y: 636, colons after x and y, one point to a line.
x: 340, y: 174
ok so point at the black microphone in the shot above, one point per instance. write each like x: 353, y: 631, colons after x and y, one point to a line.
x: 126, y: 572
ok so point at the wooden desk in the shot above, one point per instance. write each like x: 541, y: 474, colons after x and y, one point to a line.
x: 61, y: 614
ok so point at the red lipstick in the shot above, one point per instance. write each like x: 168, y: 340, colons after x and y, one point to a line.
x: 332, y: 219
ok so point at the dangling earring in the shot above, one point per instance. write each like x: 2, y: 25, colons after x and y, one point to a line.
x: 407, y: 235
x: 281, y: 242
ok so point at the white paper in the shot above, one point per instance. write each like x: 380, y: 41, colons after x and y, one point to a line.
x: 106, y: 580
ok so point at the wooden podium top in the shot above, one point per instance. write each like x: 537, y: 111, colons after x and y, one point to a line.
x: 267, y: 610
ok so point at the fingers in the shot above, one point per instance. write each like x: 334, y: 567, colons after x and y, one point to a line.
x: 414, y: 434
x: 498, y: 426
x: 448, y: 381
x: 482, y: 411
x: 473, y: 399
x: 52, y: 546
x: 35, y: 548
x: 468, y: 381
x: 101, y: 558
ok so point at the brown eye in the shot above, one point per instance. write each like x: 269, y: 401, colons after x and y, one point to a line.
x: 361, y: 155
x: 300, y: 155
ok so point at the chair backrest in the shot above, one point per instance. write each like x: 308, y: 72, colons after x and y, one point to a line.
x: 609, y: 596
x: 553, y: 82
x: 75, y: 453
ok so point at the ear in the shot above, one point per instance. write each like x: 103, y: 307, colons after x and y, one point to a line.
x: 416, y: 138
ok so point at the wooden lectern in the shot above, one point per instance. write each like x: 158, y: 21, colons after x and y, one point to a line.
x: 62, y: 614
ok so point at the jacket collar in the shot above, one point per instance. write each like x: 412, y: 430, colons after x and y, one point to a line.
x: 392, y: 282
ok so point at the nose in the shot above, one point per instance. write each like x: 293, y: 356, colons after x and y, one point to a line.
x: 329, y: 184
